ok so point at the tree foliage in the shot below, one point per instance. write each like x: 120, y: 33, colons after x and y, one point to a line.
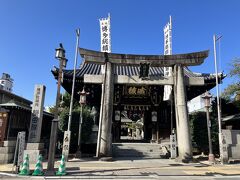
x: 65, y: 101
x: 235, y: 68
x: 234, y: 88
x: 198, y: 125
x: 227, y: 107
x: 63, y: 122
x: 86, y: 124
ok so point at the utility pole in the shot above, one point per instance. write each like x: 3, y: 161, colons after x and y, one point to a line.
x: 66, y: 143
x: 74, y: 77
x: 221, y: 148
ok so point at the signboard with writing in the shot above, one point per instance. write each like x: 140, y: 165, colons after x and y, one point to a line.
x: 66, y: 143
x: 37, y: 113
x: 105, y: 34
x: 136, y: 91
x: 144, y: 70
x: 21, y: 146
x: 173, y: 148
x: 105, y: 37
x: 3, y: 126
x: 223, y: 148
x: 167, y: 51
x: 19, y: 150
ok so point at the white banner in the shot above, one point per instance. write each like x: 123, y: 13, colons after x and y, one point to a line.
x: 167, y: 51
x: 168, y: 38
x: 105, y: 34
x: 105, y: 37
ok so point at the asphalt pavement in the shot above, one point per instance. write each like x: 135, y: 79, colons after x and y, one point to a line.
x: 135, y: 168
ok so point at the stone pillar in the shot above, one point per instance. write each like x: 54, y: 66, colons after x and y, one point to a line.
x: 183, y: 132
x: 37, y: 114
x: 106, y: 134
x: 34, y: 147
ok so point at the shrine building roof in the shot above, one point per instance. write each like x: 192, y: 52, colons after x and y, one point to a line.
x: 132, y: 68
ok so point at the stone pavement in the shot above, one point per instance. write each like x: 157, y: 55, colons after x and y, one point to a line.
x: 136, y: 169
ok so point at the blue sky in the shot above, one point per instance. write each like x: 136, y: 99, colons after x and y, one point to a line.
x: 31, y: 30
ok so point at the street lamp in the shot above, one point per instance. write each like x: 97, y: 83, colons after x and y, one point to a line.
x: 207, y: 97
x: 83, y: 96
x: 60, y: 55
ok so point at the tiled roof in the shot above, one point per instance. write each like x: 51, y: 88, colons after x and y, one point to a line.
x: 85, y: 69
x: 127, y: 70
x: 95, y: 69
x: 17, y: 105
x: 15, y: 97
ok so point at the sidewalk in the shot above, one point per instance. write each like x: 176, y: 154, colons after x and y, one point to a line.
x: 138, y: 167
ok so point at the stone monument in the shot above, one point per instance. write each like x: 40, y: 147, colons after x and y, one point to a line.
x: 34, y: 146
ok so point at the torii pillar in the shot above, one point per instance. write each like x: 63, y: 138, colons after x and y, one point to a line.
x: 182, y: 120
x: 106, y: 129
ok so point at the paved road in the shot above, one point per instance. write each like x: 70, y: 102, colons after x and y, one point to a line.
x: 145, y: 177
x: 136, y: 169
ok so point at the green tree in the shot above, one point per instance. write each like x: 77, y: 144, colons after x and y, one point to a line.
x: 63, y: 122
x: 234, y: 88
x: 198, y: 126
x: 86, y: 126
x: 64, y: 103
x: 228, y: 107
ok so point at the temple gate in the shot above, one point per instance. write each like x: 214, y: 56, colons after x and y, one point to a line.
x: 150, y: 88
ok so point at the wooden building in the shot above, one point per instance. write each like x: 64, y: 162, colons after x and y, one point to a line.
x: 15, y: 116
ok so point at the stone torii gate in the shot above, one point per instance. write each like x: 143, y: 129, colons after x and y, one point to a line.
x: 178, y: 80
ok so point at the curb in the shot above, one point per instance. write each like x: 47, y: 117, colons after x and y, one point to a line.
x: 9, y: 174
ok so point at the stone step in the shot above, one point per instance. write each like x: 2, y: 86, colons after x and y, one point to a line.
x: 140, y: 144
x: 140, y: 150
x: 144, y: 147
x: 141, y: 155
x: 9, y: 143
x: 4, y: 150
x: 137, y: 153
x: 6, y: 158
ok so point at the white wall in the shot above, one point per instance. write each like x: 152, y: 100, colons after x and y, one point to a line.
x: 196, y: 104
x: 6, y: 82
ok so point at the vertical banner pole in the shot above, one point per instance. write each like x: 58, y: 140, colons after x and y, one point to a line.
x: 105, y: 27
